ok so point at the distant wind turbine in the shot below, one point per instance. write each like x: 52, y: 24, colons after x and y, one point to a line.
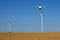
x: 9, y: 25
x: 42, y: 17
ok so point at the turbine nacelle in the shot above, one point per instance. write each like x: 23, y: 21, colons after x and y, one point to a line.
x: 39, y: 7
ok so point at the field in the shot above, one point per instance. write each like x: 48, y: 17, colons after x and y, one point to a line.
x: 30, y: 36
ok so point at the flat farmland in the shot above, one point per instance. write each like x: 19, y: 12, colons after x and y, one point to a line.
x: 30, y: 36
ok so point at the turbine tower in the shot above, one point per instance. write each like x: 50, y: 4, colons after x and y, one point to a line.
x: 42, y: 17
x: 9, y: 25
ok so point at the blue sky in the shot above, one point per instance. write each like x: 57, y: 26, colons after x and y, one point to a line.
x: 25, y: 17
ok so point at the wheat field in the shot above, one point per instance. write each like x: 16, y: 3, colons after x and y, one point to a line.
x: 30, y: 36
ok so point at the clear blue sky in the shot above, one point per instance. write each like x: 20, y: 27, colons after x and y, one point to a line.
x: 25, y: 17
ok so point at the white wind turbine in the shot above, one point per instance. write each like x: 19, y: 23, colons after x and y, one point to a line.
x: 42, y: 17
x: 9, y: 26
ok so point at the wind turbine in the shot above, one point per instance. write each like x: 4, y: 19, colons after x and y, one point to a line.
x: 9, y: 25
x: 42, y: 17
